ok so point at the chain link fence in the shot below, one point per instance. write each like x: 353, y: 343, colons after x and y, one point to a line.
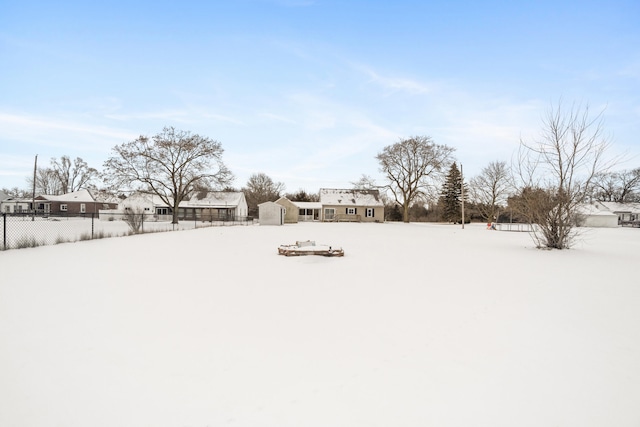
x: 26, y: 230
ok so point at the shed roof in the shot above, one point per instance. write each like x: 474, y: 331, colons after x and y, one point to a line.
x: 271, y: 203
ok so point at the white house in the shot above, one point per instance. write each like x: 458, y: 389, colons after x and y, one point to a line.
x: 15, y: 205
x: 216, y: 205
x: 205, y: 206
x: 595, y: 215
x: 627, y: 213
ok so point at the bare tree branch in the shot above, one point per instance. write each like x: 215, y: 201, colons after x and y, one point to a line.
x: 555, y: 172
x: 411, y: 166
x: 171, y: 165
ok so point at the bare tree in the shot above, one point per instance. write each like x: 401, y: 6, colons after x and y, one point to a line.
x: 302, y: 196
x: 261, y: 188
x: 134, y: 219
x: 365, y: 183
x: 555, y: 172
x: 412, y: 166
x: 621, y: 187
x: 15, y: 192
x: 490, y: 189
x: 64, y: 176
x: 72, y: 176
x: 46, y: 182
x: 171, y: 165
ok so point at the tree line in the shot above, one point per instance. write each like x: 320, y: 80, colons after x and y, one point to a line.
x: 544, y: 185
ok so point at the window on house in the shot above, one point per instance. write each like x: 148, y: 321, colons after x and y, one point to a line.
x: 329, y: 213
x: 83, y: 208
x: 351, y: 211
x: 369, y: 213
x: 63, y: 208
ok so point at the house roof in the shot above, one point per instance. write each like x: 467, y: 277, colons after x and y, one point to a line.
x: 216, y: 199
x: 76, y: 196
x: 16, y: 200
x: 308, y: 205
x: 212, y: 199
x: 594, y: 210
x: 622, y: 207
x: 334, y: 196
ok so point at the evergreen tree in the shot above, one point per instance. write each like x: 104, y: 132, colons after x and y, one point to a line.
x: 451, y: 195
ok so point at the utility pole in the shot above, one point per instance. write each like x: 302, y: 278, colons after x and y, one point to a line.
x: 33, y: 194
x: 462, y: 193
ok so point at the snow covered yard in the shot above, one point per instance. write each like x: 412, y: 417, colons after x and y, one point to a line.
x: 417, y: 325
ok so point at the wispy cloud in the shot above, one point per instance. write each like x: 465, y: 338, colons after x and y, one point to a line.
x: 17, y: 124
x: 276, y: 118
x: 222, y: 118
x: 632, y: 70
x: 292, y: 3
x: 171, y: 116
x: 397, y: 84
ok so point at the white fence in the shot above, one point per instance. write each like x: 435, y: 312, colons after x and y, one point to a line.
x: 509, y: 226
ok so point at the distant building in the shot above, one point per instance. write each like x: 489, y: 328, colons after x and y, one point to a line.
x: 76, y: 203
x: 205, y: 206
x: 351, y: 205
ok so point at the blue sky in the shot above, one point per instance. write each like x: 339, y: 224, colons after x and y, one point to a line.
x: 309, y: 91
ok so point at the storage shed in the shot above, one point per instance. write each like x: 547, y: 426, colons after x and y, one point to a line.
x: 271, y: 213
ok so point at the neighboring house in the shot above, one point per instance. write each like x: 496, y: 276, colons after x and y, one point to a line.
x: 13, y: 205
x: 271, y: 213
x: 205, y: 206
x: 106, y: 198
x: 144, y: 203
x: 351, y: 205
x: 628, y: 213
x: 76, y: 203
x: 3, y: 196
x: 595, y: 215
x: 300, y: 211
x: 216, y: 206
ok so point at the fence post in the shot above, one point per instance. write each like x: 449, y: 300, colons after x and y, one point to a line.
x: 93, y: 215
x: 142, y: 223
x: 4, y: 231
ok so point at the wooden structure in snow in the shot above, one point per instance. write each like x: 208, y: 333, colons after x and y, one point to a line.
x: 309, y: 247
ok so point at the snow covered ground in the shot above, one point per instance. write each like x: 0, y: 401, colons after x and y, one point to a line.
x: 417, y: 325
